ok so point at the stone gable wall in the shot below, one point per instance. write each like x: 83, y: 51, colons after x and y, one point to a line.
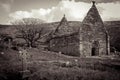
x: 67, y: 45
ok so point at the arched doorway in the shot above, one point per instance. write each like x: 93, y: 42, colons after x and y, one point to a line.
x: 95, y: 48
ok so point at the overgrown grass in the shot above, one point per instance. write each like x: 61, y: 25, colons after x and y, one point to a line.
x: 84, y: 69
x: 52, y: 66
x: 74, y: 73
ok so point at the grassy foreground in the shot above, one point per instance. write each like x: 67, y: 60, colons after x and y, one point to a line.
x: 45, y: 65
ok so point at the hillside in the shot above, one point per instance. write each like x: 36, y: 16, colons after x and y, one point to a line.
x: 113, y: 28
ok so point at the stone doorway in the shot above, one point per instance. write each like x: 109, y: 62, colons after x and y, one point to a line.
x: 95, y: 48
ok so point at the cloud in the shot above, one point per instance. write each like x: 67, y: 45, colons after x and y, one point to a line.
x: 75, y: 11
x: 35, y: 13
x: 110, y: 11
x: 99, y: 1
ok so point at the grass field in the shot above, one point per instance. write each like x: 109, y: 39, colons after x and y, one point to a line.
x: 45, y: 65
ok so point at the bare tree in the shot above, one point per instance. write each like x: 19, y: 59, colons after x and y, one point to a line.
x: 29, y: 29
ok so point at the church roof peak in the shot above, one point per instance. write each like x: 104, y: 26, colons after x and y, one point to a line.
x: 93, y: 15
x: 64, y: 15
x: 63, y: 27
x: 93, y: 19
x: 64, y: 19
x: 93, y: 2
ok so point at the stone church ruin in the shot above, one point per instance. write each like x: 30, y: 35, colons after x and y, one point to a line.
x: 90, y: 40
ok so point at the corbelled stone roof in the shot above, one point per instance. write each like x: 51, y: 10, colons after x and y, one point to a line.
x: 63, y: 28
x: 93, y: 20
x: 92, y: 15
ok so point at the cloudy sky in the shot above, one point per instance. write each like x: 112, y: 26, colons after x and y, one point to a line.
x: 53, y: 10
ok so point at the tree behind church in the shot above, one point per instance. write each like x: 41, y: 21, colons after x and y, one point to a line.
x: 29, y: 29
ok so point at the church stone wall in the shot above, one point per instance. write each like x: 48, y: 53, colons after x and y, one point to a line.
x: 93, y: 35
x: 66, y: 44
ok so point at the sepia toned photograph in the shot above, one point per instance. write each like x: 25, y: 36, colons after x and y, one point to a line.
x: 59, y: 39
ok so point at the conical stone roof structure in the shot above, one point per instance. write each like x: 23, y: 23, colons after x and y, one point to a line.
x: 93, y: 19
x: 63, y: 28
